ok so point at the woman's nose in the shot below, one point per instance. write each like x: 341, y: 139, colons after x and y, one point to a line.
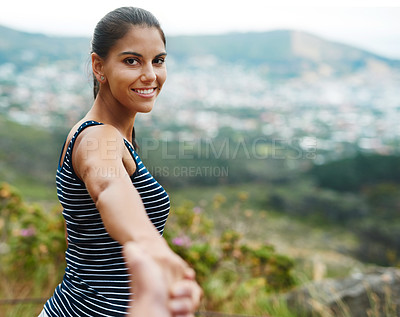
x: 148, y: 73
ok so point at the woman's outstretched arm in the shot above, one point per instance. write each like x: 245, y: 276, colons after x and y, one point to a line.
x: 98, y: 162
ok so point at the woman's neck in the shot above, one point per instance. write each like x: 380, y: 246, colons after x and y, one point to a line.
x: 108, y: 111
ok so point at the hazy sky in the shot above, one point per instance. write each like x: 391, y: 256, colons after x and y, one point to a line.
x: 369, y: 24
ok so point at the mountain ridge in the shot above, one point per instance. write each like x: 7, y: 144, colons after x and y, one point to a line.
x: 274, y: 35
x: 283, y: 51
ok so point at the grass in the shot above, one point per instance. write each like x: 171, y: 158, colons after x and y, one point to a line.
x: 33, y: 292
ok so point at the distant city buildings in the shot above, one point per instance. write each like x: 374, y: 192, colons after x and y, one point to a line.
x: 356, y: 110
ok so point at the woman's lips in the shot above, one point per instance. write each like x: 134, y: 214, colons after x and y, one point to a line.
x: 145, y: 92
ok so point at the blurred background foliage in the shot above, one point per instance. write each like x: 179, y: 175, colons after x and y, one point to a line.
x: 249, y: 235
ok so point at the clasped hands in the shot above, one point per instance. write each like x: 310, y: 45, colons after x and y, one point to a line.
x: 162, y: 283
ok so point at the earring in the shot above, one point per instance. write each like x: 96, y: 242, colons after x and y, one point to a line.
x: 102, y: 78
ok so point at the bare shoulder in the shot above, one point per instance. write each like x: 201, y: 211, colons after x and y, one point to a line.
x: 98, y: 147
x: 100, y: 131
x: 98, y: 158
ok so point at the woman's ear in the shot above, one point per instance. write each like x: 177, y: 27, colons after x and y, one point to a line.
x: 97, y: 67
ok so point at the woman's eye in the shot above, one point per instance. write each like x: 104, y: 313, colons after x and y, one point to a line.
x: 131, y: 61
x: 159, y: 61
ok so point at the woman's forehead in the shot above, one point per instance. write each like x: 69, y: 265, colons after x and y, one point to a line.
x: 141, y: 37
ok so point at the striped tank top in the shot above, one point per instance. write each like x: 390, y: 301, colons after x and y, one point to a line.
x: 96, y: 280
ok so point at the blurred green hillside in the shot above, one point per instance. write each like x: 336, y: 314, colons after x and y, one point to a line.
x: 28, y: 158
x: 25, y: 50
x: 359, y: 194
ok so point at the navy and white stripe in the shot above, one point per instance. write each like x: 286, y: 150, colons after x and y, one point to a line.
x: 96, y: 281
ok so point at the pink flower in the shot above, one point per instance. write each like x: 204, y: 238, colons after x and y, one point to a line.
x: 29, y: 232
x: 182, y: 241
x: 197, y: 210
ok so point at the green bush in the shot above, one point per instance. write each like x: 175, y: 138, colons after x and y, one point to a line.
x: 32, y: 240
x: 234, y: 274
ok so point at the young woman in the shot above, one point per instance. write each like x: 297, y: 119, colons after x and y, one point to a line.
x: 109, y: 197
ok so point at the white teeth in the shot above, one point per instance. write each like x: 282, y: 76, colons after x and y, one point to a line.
x: 145, y: 91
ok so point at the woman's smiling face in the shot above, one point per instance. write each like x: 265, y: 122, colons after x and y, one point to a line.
x: 135, y: 70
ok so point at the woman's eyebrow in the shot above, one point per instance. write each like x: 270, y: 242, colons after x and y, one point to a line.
x: 140, y: 55
x: 161, y: 54
x: 130, y: 53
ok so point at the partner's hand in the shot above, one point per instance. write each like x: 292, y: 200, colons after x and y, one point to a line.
x: 154, y: 295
